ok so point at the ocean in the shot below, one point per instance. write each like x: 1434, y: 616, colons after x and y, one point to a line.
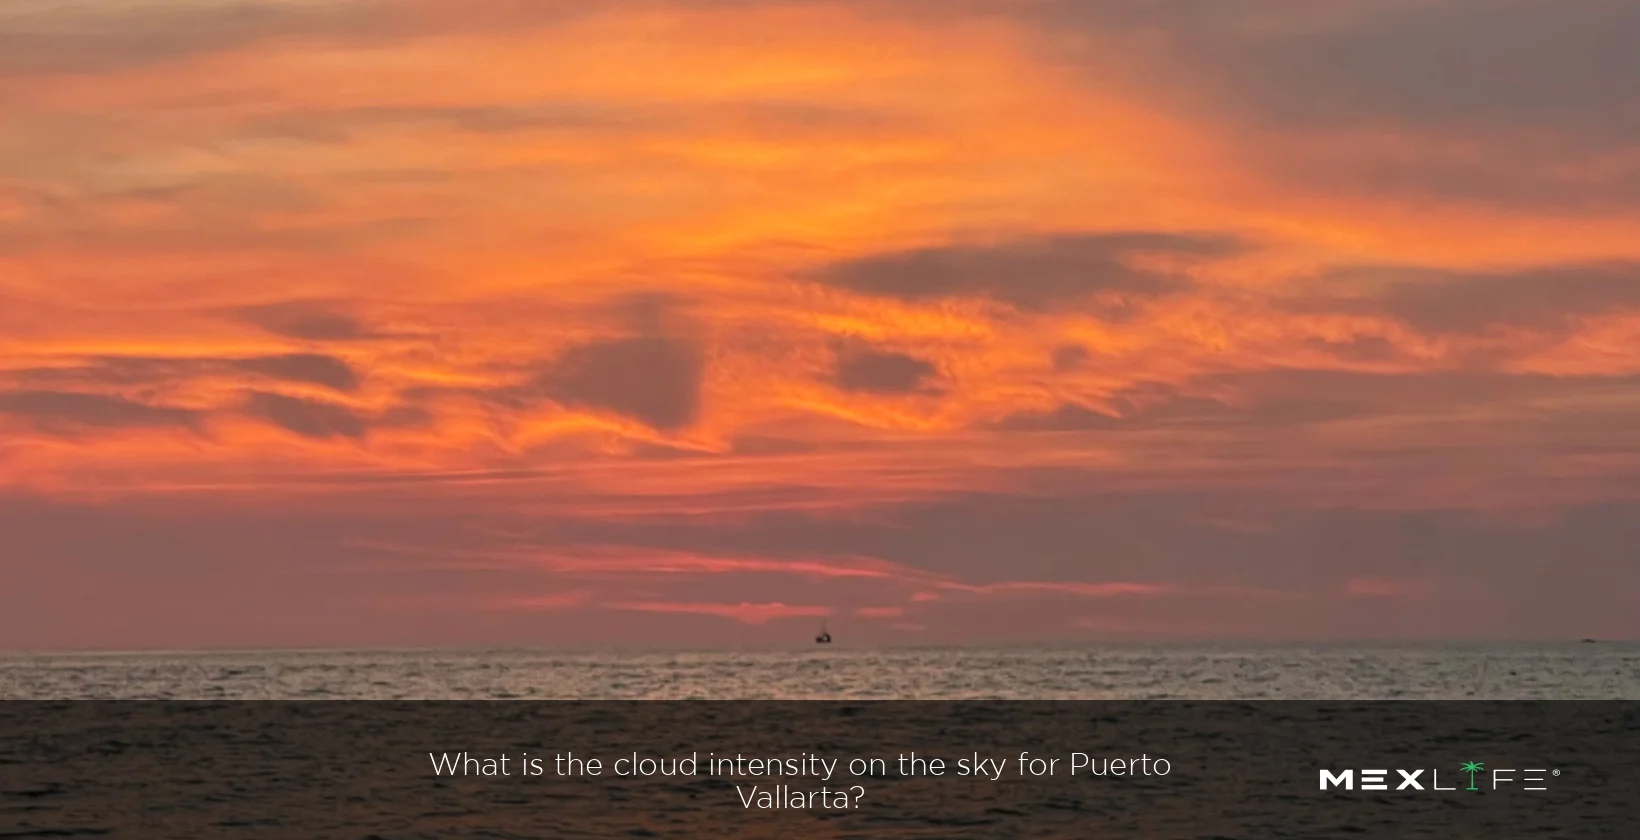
x: 914, y: 770
x: 329, y: 768
x: 1604, y: 670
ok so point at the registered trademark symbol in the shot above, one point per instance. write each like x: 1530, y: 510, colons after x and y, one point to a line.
x: 1554, y: 772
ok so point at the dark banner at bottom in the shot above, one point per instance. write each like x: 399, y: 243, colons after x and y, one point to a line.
x: 820, y: 769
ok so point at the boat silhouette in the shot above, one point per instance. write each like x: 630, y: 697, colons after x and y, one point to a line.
x: 825, y: 636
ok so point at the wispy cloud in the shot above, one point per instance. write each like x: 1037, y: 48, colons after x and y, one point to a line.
x: 743, y: 612
x: 701, y: 303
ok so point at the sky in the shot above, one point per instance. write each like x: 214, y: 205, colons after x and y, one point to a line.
x: 701, y: 322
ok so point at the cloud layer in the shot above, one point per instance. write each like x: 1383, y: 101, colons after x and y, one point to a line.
x: 415, y: 321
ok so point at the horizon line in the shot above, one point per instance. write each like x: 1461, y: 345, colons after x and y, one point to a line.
x: 7, y: 652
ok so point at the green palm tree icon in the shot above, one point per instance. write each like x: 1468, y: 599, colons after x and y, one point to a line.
x: 1471, y: 768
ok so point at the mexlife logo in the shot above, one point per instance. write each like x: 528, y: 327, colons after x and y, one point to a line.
x: 1414, y: 779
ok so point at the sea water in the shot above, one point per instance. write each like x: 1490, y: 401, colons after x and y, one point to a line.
x: 1116, y: 671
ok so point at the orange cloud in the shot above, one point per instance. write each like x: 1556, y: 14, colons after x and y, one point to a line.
x: 666, y: 268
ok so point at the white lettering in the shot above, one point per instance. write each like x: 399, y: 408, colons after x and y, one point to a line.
x: 1346, y: 778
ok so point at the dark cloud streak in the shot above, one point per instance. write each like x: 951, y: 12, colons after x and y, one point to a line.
x: 307, y: 418
x: 312, y: 368
x: 1284, y: 399
x: 1548, y: 298
x: 656, y: 380
x: 123, y: 371
x: 308, y: 320
x: 1034, y: 273
x: 55, y: 410
x: 866, y: 370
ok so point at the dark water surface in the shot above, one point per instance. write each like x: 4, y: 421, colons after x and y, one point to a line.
x: 1130, y: 671
x: 1235, y: 769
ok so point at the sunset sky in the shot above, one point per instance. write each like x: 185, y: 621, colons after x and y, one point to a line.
x: 450, y: 322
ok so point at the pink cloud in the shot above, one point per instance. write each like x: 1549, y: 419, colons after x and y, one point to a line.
x: 744, y: 612
x: 1374, y: 587
x: 880, y: 612
x: 619, y: 560
x: 553, y: 601
x: 1078, y: 588
x: 925, y: 586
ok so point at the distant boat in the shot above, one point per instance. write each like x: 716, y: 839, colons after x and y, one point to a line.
x: 824, y: 638
x: 1590, y: 641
